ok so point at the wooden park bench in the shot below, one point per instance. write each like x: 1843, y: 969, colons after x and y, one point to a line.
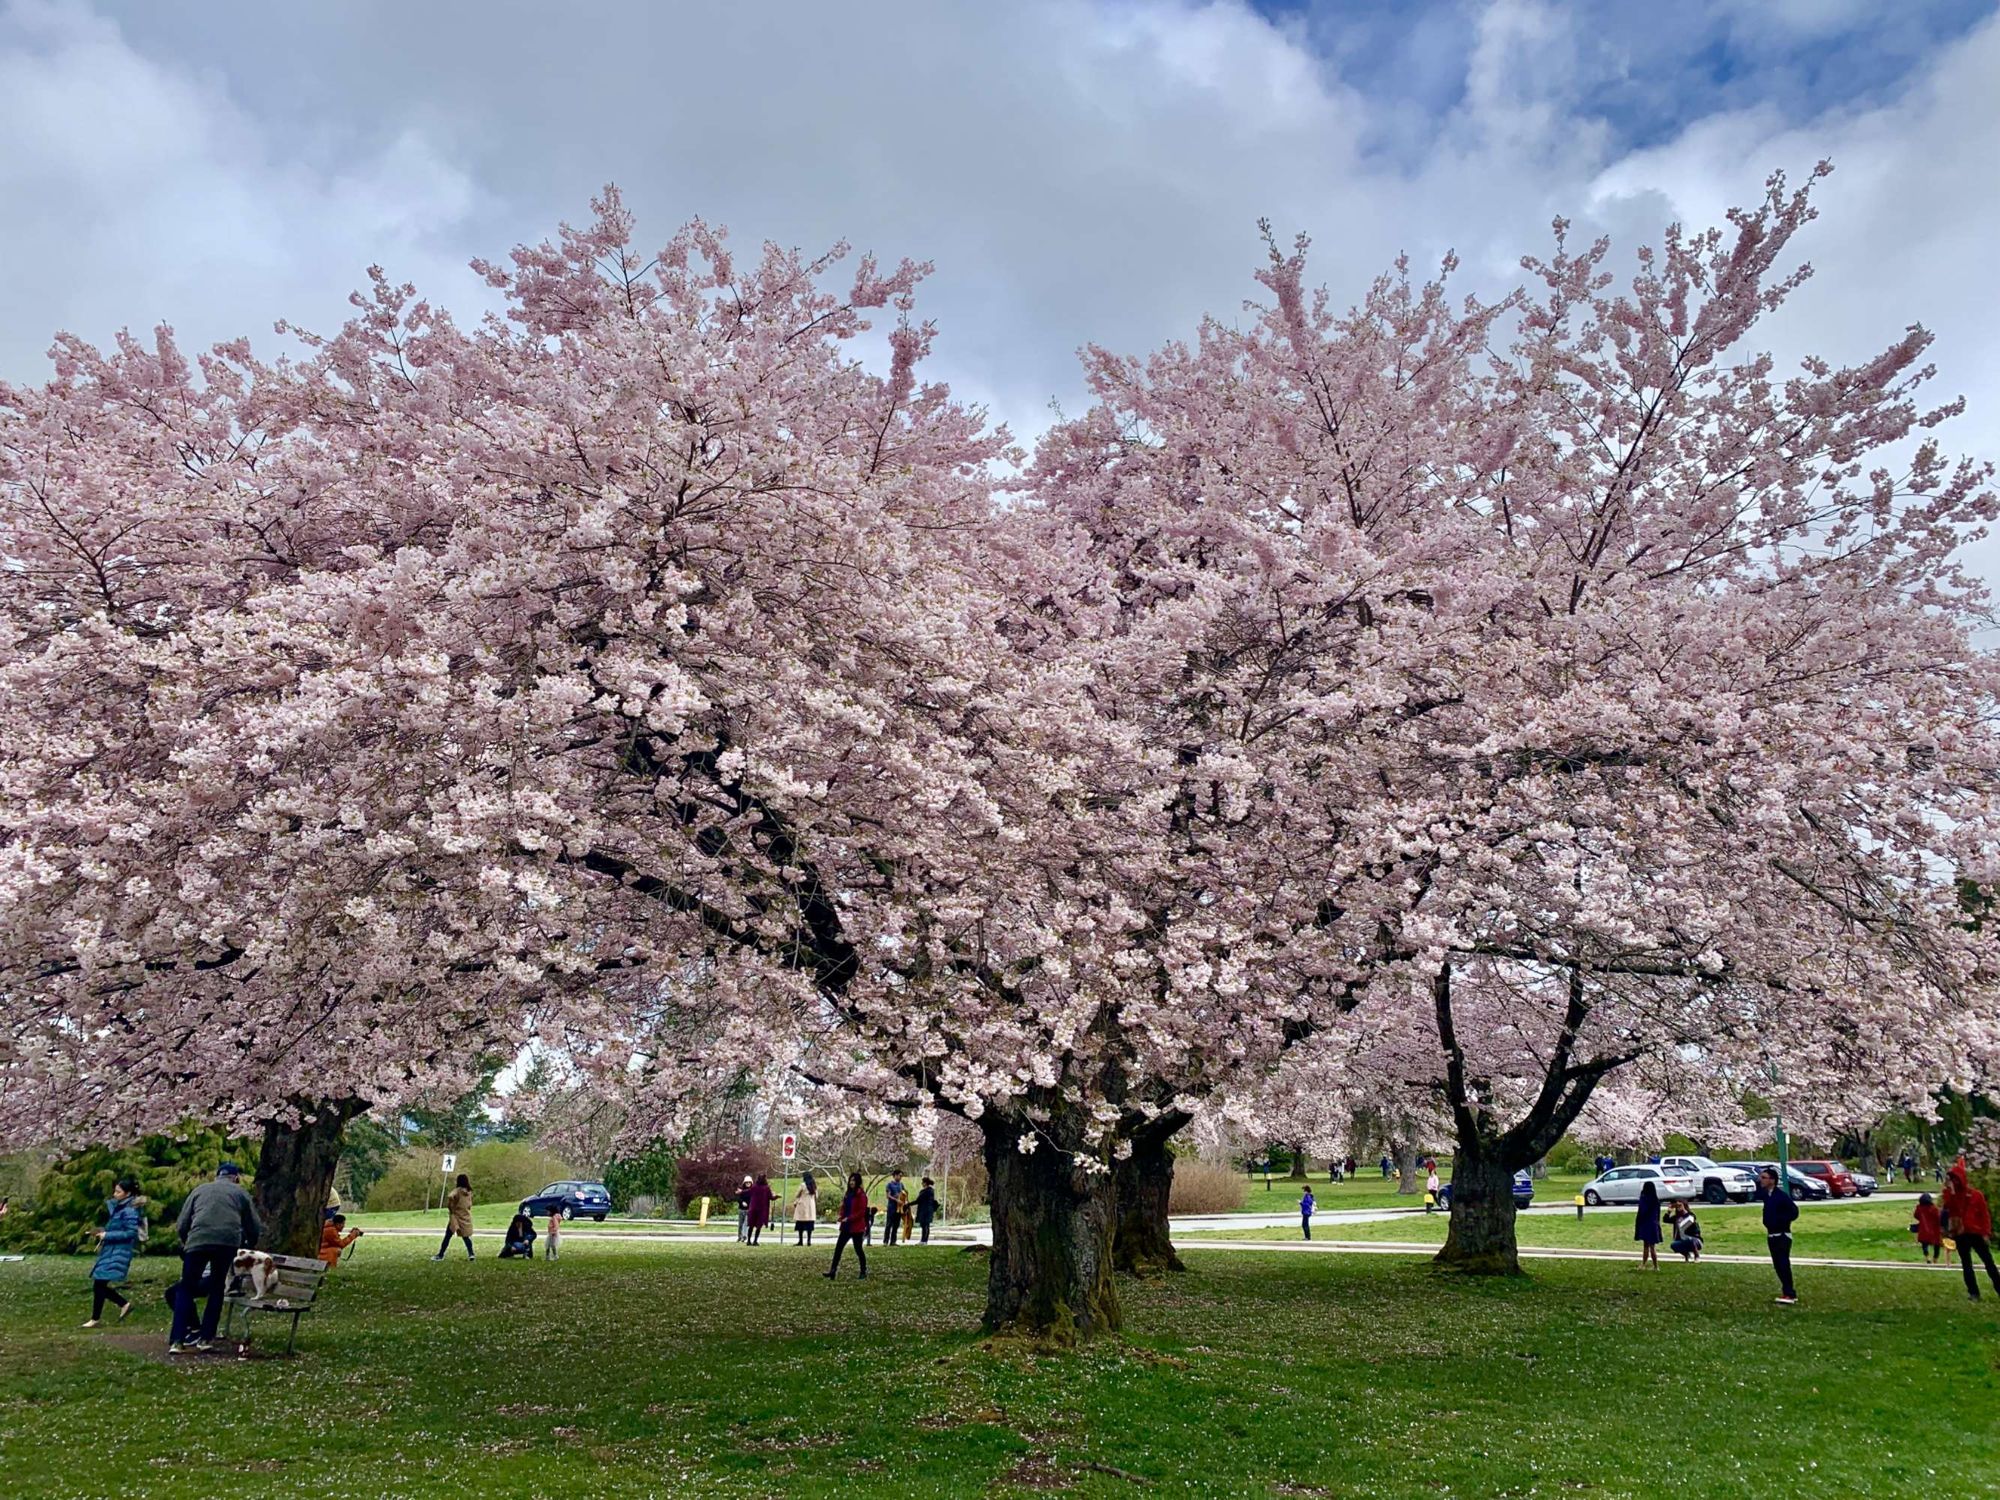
x: 298, y: 1287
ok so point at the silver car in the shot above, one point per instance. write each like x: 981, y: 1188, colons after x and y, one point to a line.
x: 1624, y: 1184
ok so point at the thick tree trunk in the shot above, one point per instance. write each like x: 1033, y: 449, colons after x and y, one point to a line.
x: 1144, y: 1182
x: 295, y: 1173
x: 1050, y: 1272
x: 1481, y: 1237
x: 1298, y: 1164
x: 1405, y: 1154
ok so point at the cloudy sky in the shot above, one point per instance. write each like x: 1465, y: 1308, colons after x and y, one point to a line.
x: 1079, y: 170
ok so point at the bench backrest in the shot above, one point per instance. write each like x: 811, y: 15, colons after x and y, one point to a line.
x: 298, y: 1280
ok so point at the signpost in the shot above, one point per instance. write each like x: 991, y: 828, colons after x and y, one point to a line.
x: 450, y: 1161
x: 788, y: 1148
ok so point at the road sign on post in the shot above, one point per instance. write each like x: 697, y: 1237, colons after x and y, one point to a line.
x: 791, y: 1147
x: 449, y: 1162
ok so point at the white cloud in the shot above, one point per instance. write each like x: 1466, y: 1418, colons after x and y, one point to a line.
x: 137, y: 193
x: 1080, y: 170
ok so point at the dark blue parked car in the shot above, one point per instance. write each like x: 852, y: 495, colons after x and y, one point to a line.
x: 1524, y: 1191
x: 577, y: 1200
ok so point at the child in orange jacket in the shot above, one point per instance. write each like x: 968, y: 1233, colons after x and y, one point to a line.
x: 332, y: 1241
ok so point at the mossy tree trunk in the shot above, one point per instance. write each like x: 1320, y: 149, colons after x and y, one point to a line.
x: 1050, y: 1274
x: 295, y: 1173
x: 1144, y: 1182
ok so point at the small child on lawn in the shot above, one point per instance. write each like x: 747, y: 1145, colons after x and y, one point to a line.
x: 554, y: 1232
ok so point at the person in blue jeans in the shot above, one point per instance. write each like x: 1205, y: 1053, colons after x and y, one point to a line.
x: 895, y: 1192
x: 1306, y: 1212
x: 217, y: 1220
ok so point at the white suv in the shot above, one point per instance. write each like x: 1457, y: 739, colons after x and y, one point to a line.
x: 1625, y: 1184
x: 1715, y: 1184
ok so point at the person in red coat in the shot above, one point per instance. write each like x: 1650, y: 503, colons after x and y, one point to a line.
x: 1929, y: 1228
x: 1971, y: 1223
x: 760, y: 1206
x: 853, y: 1226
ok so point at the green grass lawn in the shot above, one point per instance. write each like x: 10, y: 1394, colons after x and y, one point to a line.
x: 1871, y: 1231
x: 661, y: 1369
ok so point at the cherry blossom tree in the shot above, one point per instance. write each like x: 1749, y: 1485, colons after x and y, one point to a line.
x: 1678, y: 733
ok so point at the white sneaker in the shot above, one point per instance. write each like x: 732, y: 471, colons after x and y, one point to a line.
x: 180, y: 1348
x: 90, y: 1322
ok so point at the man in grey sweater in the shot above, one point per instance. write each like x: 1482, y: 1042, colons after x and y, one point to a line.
x: 217, y: 1220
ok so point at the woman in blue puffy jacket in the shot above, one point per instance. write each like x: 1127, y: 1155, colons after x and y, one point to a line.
x: 120, y: 1235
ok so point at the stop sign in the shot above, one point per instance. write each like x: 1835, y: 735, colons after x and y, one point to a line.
x: 791, y: 1147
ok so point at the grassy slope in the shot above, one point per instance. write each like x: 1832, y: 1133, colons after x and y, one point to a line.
x: 1872, y: 1231
x: 655, y: 1370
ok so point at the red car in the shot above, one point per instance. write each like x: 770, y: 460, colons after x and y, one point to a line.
x: 1839, y: 1181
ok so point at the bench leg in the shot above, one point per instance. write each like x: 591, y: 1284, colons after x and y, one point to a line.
x: 295, y: 1331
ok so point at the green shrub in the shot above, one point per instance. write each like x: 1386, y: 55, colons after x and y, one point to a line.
x: 501, y: 1172
x: 1570, y: 1156
x: 649, y: 1174
x: 69, y: 1198
x: 366, y: 1150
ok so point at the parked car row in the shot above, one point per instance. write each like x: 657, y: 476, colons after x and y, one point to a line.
x: 1727, y: 1181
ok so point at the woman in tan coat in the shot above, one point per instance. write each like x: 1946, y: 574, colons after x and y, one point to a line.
x: 458, y: 1217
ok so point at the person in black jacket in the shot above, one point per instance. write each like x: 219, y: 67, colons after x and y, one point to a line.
x: 927, y: 1207
x: 520, y: 1242
x: 1779, y: 1215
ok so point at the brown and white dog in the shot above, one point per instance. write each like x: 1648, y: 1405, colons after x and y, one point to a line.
x: 255, y: 1274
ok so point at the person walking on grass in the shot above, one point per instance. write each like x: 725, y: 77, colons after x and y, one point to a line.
x: 927, y: 1208
x: 743, y: 1209
x: 457, y: 1217
x: 1431, y: 1187
x: 853, y: 1227
x: 805, y: 1211
x: 760, y: 1207
x: 552, y: 1233
x: 1646, y: 1226
x: 1780, y: 1213
x: 216, y: 1221
x: 1971, y: 1223
x: 1306, y: 1212
x: 1927, y: 1224
x: 118, y: 1242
